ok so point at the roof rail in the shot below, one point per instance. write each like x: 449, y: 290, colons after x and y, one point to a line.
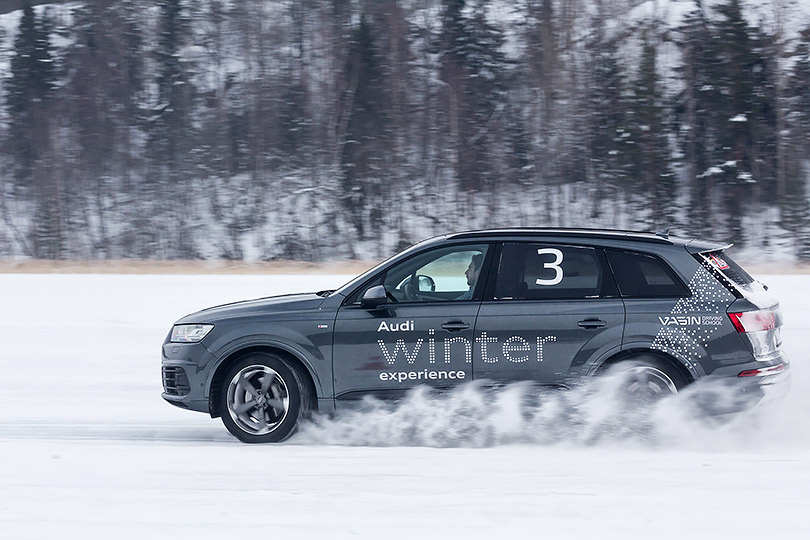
x: 566, y: 232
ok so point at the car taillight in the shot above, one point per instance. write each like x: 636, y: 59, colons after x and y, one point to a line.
x: 753, y: 321
x: 763, y: 372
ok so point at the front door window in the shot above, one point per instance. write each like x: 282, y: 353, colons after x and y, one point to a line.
x: 441, y: 275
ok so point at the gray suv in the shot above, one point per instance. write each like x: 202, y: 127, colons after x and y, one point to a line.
x: 552, y: 306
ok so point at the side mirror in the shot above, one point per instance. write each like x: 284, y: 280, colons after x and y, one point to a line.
x: 426, y: 284
x: 374, y: 297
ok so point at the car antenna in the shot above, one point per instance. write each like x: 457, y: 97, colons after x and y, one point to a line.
x: 664, y: 233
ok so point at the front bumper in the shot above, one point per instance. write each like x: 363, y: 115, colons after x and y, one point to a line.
x: 184, y: 370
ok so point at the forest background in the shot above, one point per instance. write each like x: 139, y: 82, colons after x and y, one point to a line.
x: 318, y: 130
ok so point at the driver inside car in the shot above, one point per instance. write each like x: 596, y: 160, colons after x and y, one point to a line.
x: 472, y: 273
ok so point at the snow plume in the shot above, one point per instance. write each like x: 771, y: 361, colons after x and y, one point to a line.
x: 597, y: 413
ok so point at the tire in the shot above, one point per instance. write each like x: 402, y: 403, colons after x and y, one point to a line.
x: 647, y: 379
x: 263, y: 398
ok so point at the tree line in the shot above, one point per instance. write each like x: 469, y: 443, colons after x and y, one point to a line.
x: 321, y: 129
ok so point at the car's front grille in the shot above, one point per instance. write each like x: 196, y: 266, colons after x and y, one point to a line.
x: 175, y: 381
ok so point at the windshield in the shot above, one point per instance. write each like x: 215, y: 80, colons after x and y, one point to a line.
x: 346, y: 289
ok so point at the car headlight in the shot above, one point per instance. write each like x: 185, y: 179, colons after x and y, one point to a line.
x: 190, y: 333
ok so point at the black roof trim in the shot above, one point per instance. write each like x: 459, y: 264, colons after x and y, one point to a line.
x: 567, y: 232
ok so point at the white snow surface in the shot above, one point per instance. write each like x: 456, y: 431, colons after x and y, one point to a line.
x: 90, y: 450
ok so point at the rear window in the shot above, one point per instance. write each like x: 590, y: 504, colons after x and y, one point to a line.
x: 644, y: 276
x: 724, y: 264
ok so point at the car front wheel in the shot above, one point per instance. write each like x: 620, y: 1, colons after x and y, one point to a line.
x: 263, y: 398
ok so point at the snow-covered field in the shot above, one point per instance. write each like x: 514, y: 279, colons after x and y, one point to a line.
x: 90, y: 450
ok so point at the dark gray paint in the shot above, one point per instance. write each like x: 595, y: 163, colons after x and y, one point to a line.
x: 572, y: 347
x: 359, y: 359
x: 338, y: 345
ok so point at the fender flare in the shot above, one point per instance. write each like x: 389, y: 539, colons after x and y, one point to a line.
x: 232, y: 350
x: 694, y: 370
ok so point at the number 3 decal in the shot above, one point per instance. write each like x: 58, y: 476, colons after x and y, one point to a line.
x: 552, y: 265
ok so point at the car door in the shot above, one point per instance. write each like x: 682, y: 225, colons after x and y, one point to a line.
x: 548, y: 310
x: 660, y: 314
x: 422, y: 336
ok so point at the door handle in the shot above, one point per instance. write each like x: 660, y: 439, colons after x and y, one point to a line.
x: 591, y: 323
x: 455, y: 326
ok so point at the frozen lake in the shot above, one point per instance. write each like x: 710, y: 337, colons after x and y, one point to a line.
x: 90, y: 450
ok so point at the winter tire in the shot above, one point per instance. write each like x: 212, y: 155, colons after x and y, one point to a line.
x: 263, y: 398
x: 648, y: 379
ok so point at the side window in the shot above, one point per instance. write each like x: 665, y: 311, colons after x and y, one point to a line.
x: 644, y: 276
x: 443, y: 274
x: 545, y: 272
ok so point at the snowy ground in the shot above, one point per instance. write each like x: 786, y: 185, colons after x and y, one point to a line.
x: 90, y: 450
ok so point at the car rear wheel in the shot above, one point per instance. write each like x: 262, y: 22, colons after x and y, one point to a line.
x: 263, y: 398
x: 647, y: 379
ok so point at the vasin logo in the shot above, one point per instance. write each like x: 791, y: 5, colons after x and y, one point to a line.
x: 679, y: 320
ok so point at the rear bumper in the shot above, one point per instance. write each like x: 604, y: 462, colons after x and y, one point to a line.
x: 729, y: 393
x: 773, y: 387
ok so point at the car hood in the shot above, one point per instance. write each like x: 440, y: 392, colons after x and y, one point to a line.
x: 284, y: 304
